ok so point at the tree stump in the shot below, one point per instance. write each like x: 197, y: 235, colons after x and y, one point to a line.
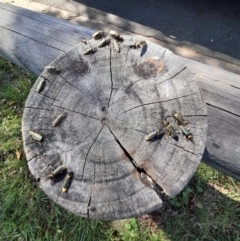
x: 111, y: 102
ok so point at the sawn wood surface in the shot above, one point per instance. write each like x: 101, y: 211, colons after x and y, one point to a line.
x: 112, y: 101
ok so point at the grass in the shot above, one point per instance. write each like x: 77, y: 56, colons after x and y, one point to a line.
x: 26, y: 213
x: 207, y: 209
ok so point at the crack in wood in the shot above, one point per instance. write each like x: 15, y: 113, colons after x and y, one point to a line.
x: 202, y: 108
x: 56, y: 99
x: 172, y: 76
x: 132, y: 84
x: 36, y: 108
x: 157, y: 102
x: 110, y: 65
x: 89, y: 203
x: 50, y: 81
x: 47, y: 97
x: 18, y: 33
x: 44, y: 23
x: 221, y: 96
x: 39, y: 143
x: 136, y: 166
x: 234, y: 86
x: 140, y: 131
x: 223, y: 109
x: 163, y: 54
x: 126, y: 153
x: 77, y: 112
x: 90, y: 198
x: 72, y: 85
x: 183, y: 147
x: 35, y: 156
x: 89, y: 150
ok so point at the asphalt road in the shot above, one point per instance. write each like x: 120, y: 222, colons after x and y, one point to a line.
x: 212, y: 24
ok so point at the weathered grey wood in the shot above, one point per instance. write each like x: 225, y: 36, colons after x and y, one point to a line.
x: 221, y: 91
x: 32, y: 51
x: 32, y: 40
x: 112, y: 100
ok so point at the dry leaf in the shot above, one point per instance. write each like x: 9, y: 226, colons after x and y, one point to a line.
x: 11, y: 103
x: 18, y: 154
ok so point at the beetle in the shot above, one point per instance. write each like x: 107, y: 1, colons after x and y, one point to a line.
x: 97, y: 35
x: 142, y: 42
x: 67, y: 181
x: 103, y: 42
x: 179, y: 119
x: 40, y: 85
x: 170, y: 129
x: 153, y: 134
x: 132, y: 44
x: 88, y: 51
x: 52, y: 70
x: 115, y: 34
x: 58, y: 119
x: 116, y: 46
x: 84, y: 41
x: 35, y: 136
x: 137, y: 45
x: 57, y: 171
x: 186, y: 132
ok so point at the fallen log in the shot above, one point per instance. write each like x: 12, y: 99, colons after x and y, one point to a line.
x: 32, y: 40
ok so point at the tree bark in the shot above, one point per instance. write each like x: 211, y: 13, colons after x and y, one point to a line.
x: 32, y: 40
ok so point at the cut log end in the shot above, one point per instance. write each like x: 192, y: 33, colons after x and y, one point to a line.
x: 112, y: 101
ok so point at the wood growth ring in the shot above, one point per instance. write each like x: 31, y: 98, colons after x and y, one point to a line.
x: 111, y: 102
